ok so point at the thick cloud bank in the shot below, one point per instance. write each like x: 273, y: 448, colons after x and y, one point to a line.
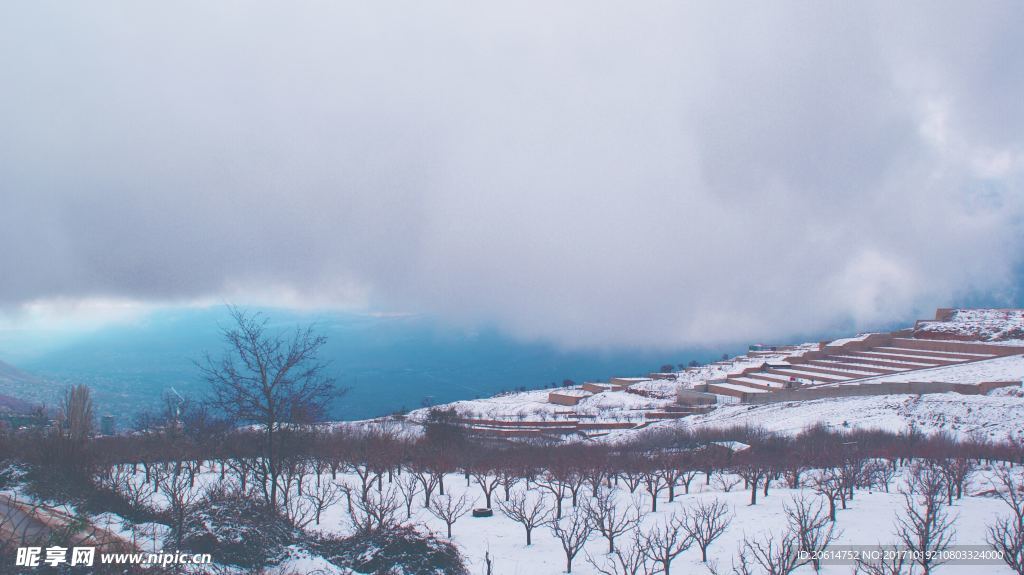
x: 587, y: 172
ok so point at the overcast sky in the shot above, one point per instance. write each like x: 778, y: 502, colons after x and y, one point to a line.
x: 589, y: 173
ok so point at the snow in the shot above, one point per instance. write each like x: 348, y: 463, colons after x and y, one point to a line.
x: 732, y: 445
x: 855, y: 359
x: 868, y: 521
x: 620, y: 400
x: 818, y: 376
x: 743, y: 388
x: 755, y: 381
x: 983, y: 324
x: 846, y: 340
x: 1008, y: 368
x: 957, y: 354
x: 996, y: 416
x: 572, y: 392
x: 300, y: 561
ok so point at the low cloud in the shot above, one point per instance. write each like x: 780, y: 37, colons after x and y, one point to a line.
x: 582, y: 172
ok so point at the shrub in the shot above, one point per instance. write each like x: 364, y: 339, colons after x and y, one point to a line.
x: 399, y: 550
x: 239, y: 530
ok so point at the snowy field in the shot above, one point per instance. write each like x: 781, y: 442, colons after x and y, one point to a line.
x: 1005, y: 326
x: 1009, y: 368
x: 996, y: 416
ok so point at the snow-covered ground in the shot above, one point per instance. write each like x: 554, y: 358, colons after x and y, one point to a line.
x: 996, y: 416
x: 1009, y: 368
x: 868, y: 521
x: 534, y: 406
x: 609, y: 404
x: 991, y: 325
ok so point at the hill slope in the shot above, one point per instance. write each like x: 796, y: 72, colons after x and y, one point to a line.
x: 18, y: 389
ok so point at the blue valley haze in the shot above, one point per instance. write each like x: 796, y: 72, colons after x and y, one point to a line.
x: 387, y: 362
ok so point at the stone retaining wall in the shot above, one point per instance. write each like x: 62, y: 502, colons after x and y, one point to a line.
x: 868, y: 389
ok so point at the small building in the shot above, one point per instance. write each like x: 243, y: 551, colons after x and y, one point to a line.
x: 662, y: 375
x: 568, y: 396
x: 107, y: 425
x: 624, y: 382
x: 693, y: 397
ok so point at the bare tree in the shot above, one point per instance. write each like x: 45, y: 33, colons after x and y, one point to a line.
x: 488, y: 480
x: 752, y: 471
x: 666, y: 541
x: 706, y: 522
x: 632, y: 476
x: 890, y: 560
x: 77, y: 413
x: 556, y: 486
x: 409, y: 485
x: 449, y: 509
x: 509, y: 476
x: 176, y: 488
x: 488, y: 563
x: 813, y: 528
x: 775, y: 556
x: 609, y: 518
x: 725, y: 481
x: 572, y: 531
x: 829, y: 484
x: 881, y: 474
x: 686, y: 476
x: 956, y: 471
x: 924, y: 526
x: 853, y: 472
x: 322, y: 494
x: 121, y: 480
x: 430, y: 479
x: 376, y: 511
x: 530, y: 512
x: 1006, y: 534
x: 270, y: 380
x: 299, y: 509
x: 654, y: 483
x: 625, y: 560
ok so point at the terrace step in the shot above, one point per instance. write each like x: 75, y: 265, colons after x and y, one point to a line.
x: 755, y: 383
x: 952, y: 346
x: 836, y: 364
x: 888, y: 356
x: 815, y: 378
x: 901, y: 365
x: 733, y: 389
x: 930, y: 353
x: 773, y: 381
x: 849, y: 373
x: 807, y: 374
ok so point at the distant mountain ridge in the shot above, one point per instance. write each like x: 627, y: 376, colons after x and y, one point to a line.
x: 19, y: 390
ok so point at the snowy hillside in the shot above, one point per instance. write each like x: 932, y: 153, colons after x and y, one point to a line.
x: 650, y: 402
x: 989, y: 325
x: 996, y: 416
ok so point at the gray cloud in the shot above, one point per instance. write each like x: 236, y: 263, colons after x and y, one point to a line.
x: 585, y: 172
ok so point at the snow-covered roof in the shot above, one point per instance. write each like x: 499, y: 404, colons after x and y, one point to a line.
x: 732, y: 445
x: 572, y: 392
